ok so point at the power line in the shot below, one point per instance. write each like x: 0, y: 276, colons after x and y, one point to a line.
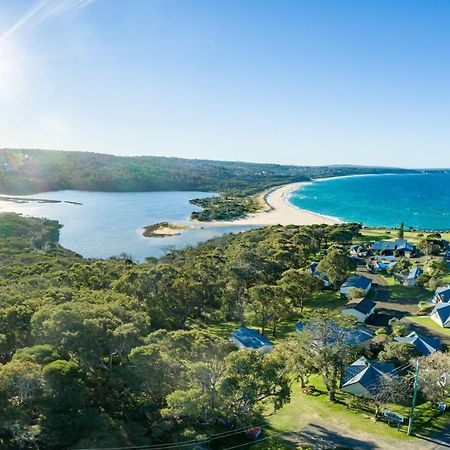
x: 254, y: 442
x: 175, y: 444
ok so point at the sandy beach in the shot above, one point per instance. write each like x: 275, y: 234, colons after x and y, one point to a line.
x: 277, y: 210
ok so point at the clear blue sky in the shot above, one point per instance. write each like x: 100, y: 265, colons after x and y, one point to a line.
x: 302, y: 82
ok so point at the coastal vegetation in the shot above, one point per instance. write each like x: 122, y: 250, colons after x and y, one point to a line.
x: 105, y: 353
x: 163, y: 229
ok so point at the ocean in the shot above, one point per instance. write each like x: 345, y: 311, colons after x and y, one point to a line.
x: 421, y: 201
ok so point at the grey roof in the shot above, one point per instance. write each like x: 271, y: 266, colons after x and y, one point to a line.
x: 424, y: 344
x: 364, y: 305
x: 250, y: 338
x: 366, y: 373
x: 357, y: 282
x: 442, y: 310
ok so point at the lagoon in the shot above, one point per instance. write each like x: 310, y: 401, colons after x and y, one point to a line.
x: 110, y: 223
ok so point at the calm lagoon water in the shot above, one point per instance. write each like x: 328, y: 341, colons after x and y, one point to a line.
x: 108, y: 224
x: 421, y: 201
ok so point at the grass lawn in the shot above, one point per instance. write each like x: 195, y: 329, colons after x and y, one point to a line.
x: 381, y: 234
x: 305, y: 409
x: 400, y: 292
x: 328, y: 300
x: 427, y: 322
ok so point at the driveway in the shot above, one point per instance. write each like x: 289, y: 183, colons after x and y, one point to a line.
x: 329, y: 436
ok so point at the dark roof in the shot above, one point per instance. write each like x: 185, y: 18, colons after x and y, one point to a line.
x: 251, y: 338
x: 366, y: 373
x: 364, y: 305
x: 443, y: 311
x: 351, y: 337
x: 444, y: 294
x: 424, y: 344
x: 358, y: 282
x: 399, y: 244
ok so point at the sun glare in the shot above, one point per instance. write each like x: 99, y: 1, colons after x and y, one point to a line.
x: 8, y: 70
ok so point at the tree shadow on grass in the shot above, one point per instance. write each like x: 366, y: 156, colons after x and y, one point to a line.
x: 320, y: 437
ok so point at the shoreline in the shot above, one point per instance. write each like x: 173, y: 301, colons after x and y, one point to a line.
x: 277, y: 210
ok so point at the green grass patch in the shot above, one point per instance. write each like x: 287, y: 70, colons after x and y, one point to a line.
x: 305, y: 409
x: 386, y: 234
x: 327, y: 300
x: 402, y: 292
x: 427, y: 322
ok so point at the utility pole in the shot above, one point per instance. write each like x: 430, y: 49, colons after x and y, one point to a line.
x: 413, y: 403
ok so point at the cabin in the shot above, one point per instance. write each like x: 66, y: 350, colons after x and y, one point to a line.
x: 424, y: 344
x: 360, y: 309
x: 356, y: 282
x: 441, y: 295
x: 400, y: 247
x: 363, y: 377
x: 350, y: 336
x: 313, y: 270
x: 413, y: 275
x: 441, y: 314
x: 358, y: 251
x: 246, y: 338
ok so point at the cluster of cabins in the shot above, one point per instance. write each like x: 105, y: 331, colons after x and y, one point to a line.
x: 383, y: 255
x: 362, y: 377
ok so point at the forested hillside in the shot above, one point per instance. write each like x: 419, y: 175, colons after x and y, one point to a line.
x: 31, y: 171
x: 100, y: 353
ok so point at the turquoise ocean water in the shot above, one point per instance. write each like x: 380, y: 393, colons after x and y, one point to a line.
x: 421, y: 201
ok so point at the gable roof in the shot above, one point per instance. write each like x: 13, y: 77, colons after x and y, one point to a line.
x: 365, y: 373
x: 442, y: 310
x: 443, y: 293
x: 357, y: 282
x: 250, y: 338
x: 424, y: 344
x: 414, y: 273
x: 365, y: 305
x: 399, y: 244
x: 350, y: 336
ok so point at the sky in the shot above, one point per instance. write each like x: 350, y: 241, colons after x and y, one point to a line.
x: 282, y: 81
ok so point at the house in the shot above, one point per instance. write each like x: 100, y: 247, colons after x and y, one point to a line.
x: 325, y: 280
x: 424, y: 344
x: 246, y: 338
x: 356, y: 282
x: 361, y: 309
x: 411, y: 278
x: 350, y: 336
x: 400, y: 246
x: 441, y: 314
x: 441, y: 294
x: 358, y: 251
x: 363, y: 377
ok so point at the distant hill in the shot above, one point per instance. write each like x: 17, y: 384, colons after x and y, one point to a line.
x: 31, y: 171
